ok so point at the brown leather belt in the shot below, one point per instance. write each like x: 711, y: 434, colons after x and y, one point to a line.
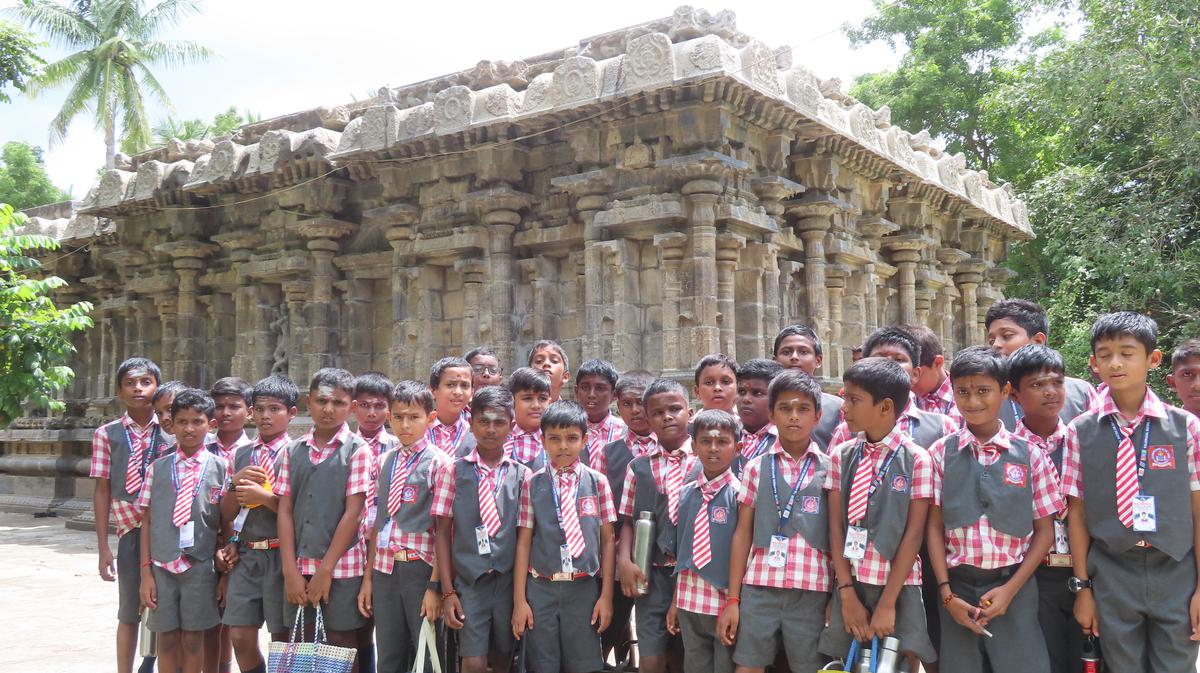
x: 558, y: 577
x: 261, y: 545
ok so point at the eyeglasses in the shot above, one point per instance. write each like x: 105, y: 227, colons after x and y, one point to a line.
x: 485, y: 369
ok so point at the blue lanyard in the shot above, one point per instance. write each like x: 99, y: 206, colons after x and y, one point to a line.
x: 882, y: 469
x: 1145, y: 451
x: 455, y: 438
x: 762, y: 443
x: 502, y: 470
x: 1018, y: 413
x: 407, y: 464
x: 148, y: 453
x: 785, y: 511
x: 199, y: 473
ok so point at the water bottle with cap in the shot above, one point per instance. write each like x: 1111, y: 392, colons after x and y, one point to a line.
x: 147, y: 639
x: 643, y: 539
x: 889, y: 655
x: 1092, y: 663
x: 864, y: 662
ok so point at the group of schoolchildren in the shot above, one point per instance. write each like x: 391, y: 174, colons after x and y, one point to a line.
x: 918, y: 503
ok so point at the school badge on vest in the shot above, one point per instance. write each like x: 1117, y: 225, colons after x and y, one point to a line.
x: 588, y: 506
x: 408, y: 494
x: 1014, y: 475
x: 811, y: 504
x: 899, y: 483
x: 1162, y: 458
x: 720, y: 515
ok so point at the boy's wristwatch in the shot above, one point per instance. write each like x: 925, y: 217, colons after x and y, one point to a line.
x: 1076, y: 585
x: 434, y: 586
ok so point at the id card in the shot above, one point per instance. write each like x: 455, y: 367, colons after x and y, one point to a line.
x: 483, y: 543
x: 1144, y: 518
x: 240, y: 520
x: 568, y: 561
x: 1061, y: 544
x: 187, y: 535
x: 385, y: 535
x: 856, y: 543
x: 777, y: 553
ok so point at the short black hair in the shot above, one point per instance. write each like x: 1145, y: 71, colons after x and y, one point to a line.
x: 759, y: 369
x: 232, y: 385
x: 552, y: 345
x: 480, y: 350
x: 412, y: 392
x: 528, y: 378
x: 883, y: 379
x: 715, y: 419
x: 334, y: 377
x: 601, y: 368
x: 894, y: 336
x: 492, y: 397
x: 565, y: 414
x: 1185, y: 351
x: 372, y: 383
x: 195, y: 399
x: 715, y: 360
x: 794, y: 381
x: 1033, y: 359
x: 662, y: 386
x: 1126, y: 323
x: 798, y: 330
x: 633, y: 380
x: 440, y: 367
x: 276, y: 386
x: 927, y: 341
x: 979, y: 361
x: 171, y: 388
x: 1030, y: 316
x: 137, y: 364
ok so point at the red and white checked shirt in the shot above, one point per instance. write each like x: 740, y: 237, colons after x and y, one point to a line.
x: 659, y: 464
x: 693, y: 593
x: 523, y: 446
x: 604, y: 496
x: 874, y: 568
x: 978, y: 544
x: 182, y: 465
x: 227, y: 450
x: 376, y: 443
x: 601, y: 435
x: 754, y: 444
x: 941, y: 401
x: 908, y: 419
x: 443, y: 488
x: 806, y: 567
x: 126, y: 516
x: 449, y: 437
x: 379, y: 440
x: 353, y: 563
x: 272, y: 448
x: 1153, y: 407
x: 421, y: 542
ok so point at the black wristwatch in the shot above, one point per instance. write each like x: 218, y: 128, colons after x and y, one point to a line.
x: 1076, y: 585
x: 434, y: 586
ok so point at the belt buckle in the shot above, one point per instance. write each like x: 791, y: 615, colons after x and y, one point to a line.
x: 562, y: 577
x: 1143, y: 544
x: 1058, y: 560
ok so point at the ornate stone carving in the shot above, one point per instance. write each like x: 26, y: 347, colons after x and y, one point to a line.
x: 574, y: 81
x: 537, y: 93
x: 453, y: 109
x: 758, y: 66
x: 279, y: 327
x: 648, y: 60
x: 420, y: 120
x: 501, y: 101
x: 802, y: 90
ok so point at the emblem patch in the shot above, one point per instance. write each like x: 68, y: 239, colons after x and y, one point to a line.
x: 899, y: 483
x: 1162, y: 458
x: 810, y: 504
x: 1014, y: 475
x: 588, y: 506
x: 720, y: 515
x: 408, y: 494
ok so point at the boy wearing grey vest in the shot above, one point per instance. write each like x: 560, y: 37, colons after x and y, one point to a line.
x: 402, y: 588
x: 882, y: 485
x: 476, y: 500
x: 530, y: 389
x: 564, y: 543
x: 248, y: 512
x: 1130, y: 472
x: 991, y: 524
x: 181, y: 523
x: 1013, y: 323
x: 653, y: 484
x: 798, y: 347
x: 323, y: 484
x: 758, y: 434
x: 450, y: 380
x: 707, y: 518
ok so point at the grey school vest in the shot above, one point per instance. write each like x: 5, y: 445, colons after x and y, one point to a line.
x: 810, y: 513
x: 722, y: 521
x: 260, y: 522
x: 927, y: 429
x: 468, y: 563
x: 1003, y: 490
x: 319, y: 494
x: 1078, y: 393
x: 467, y: 445
x: 887, y: 509
x: 739, y: 461
x: 416, y: 498
x: 206, y: 514
x: 548, y: 537
x: 648, y: 497
x: 617, y: 457
x: 831, y: 417
x: 1166, y: 478
x: 118, y: 446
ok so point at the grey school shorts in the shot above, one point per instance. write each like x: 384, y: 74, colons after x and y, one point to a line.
x: 563, y: 638
x: 488, y: 606
x: 702, y: 649
x: 771, y: 617
x: 187, y: 601
x: 910, y: 622
x: 129, y: 577
x: 650, y: 612
x: 340, y: 612
x: 255, y: 593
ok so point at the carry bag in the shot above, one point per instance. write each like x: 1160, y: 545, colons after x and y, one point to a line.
x: 297, y: 656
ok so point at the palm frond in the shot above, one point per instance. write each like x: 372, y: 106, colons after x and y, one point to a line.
x: 167, y: 14
x: 79, y: 99
x: 64, y: 27
x: 175, y: 52
x: 156, y: 89
x: 135, y: 125
x: 61, y: 71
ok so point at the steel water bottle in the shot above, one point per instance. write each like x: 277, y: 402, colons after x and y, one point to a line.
x: 643, y: 539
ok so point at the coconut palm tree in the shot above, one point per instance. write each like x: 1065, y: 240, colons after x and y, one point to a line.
x: 113, y: 46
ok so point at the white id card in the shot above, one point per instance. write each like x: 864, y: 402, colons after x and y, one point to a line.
x: 385, y: 535
x: 483, y: 543
x: 777, y: 552
x: 187, y: 535
x: 1061, y: 544
x: 568, y: 561
x: 240, y: 520
x: 1144, y: 518
x: 856, y: 543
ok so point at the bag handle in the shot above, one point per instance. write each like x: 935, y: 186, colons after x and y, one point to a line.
x: 319, y: 632
x: 289, y: 651
x: 426, y: 643
x: 874, y: 654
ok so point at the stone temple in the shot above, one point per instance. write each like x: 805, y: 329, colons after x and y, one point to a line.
x: 648, y: 196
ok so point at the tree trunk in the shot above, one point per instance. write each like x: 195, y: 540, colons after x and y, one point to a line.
x: 110, y: 141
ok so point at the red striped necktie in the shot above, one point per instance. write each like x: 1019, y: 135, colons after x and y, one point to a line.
x: 488, y: 511
x: 1127, y: 479
x: 569, y: 511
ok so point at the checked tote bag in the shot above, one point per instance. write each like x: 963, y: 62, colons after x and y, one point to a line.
x: 296, y: 656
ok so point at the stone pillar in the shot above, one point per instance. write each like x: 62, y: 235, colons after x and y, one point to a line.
x: 946, y: 321
x: 191, y: 354
x: 969, y: 333
x: 295, y: 294
x: 401, y: 220
x: 358, y: 323
x: 703, y: 335
x: 322, y: 312
x: 473, y: 273
x: 728, y: 247
x: 771, y: 191
x: 107, y: 370
x: 500, y: 209
x: 905, y: 253
x: 670, y: 257
x: 870, y: 300
x: 222, y: 331
x: 925, y: 298
x: 170, y: 334
x: 250, y: 324
x: 772, y: 300
x: 835, y: 284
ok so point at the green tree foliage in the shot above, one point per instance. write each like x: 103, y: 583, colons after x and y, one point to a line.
x: 113, y: 47
x: 35, y: 335
x: 223, y: 124
x: 19, y: 61
x: 23, y: 179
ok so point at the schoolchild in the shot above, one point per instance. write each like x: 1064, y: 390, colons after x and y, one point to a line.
x: 799, y: 347
x: 161, y: 401
x: 932, y: 386
x: 371, y: 410
x: 1184, y: 378
x: 450, y: 380
x: 485, y: 367
x: 716, y: 382
x: 232, y: 398
x: 758, y: 434
x: 595, y: 385
x: 530, y: 389
x: 550, y: 357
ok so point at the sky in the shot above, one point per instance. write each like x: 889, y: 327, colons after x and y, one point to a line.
x: 274, y: 57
